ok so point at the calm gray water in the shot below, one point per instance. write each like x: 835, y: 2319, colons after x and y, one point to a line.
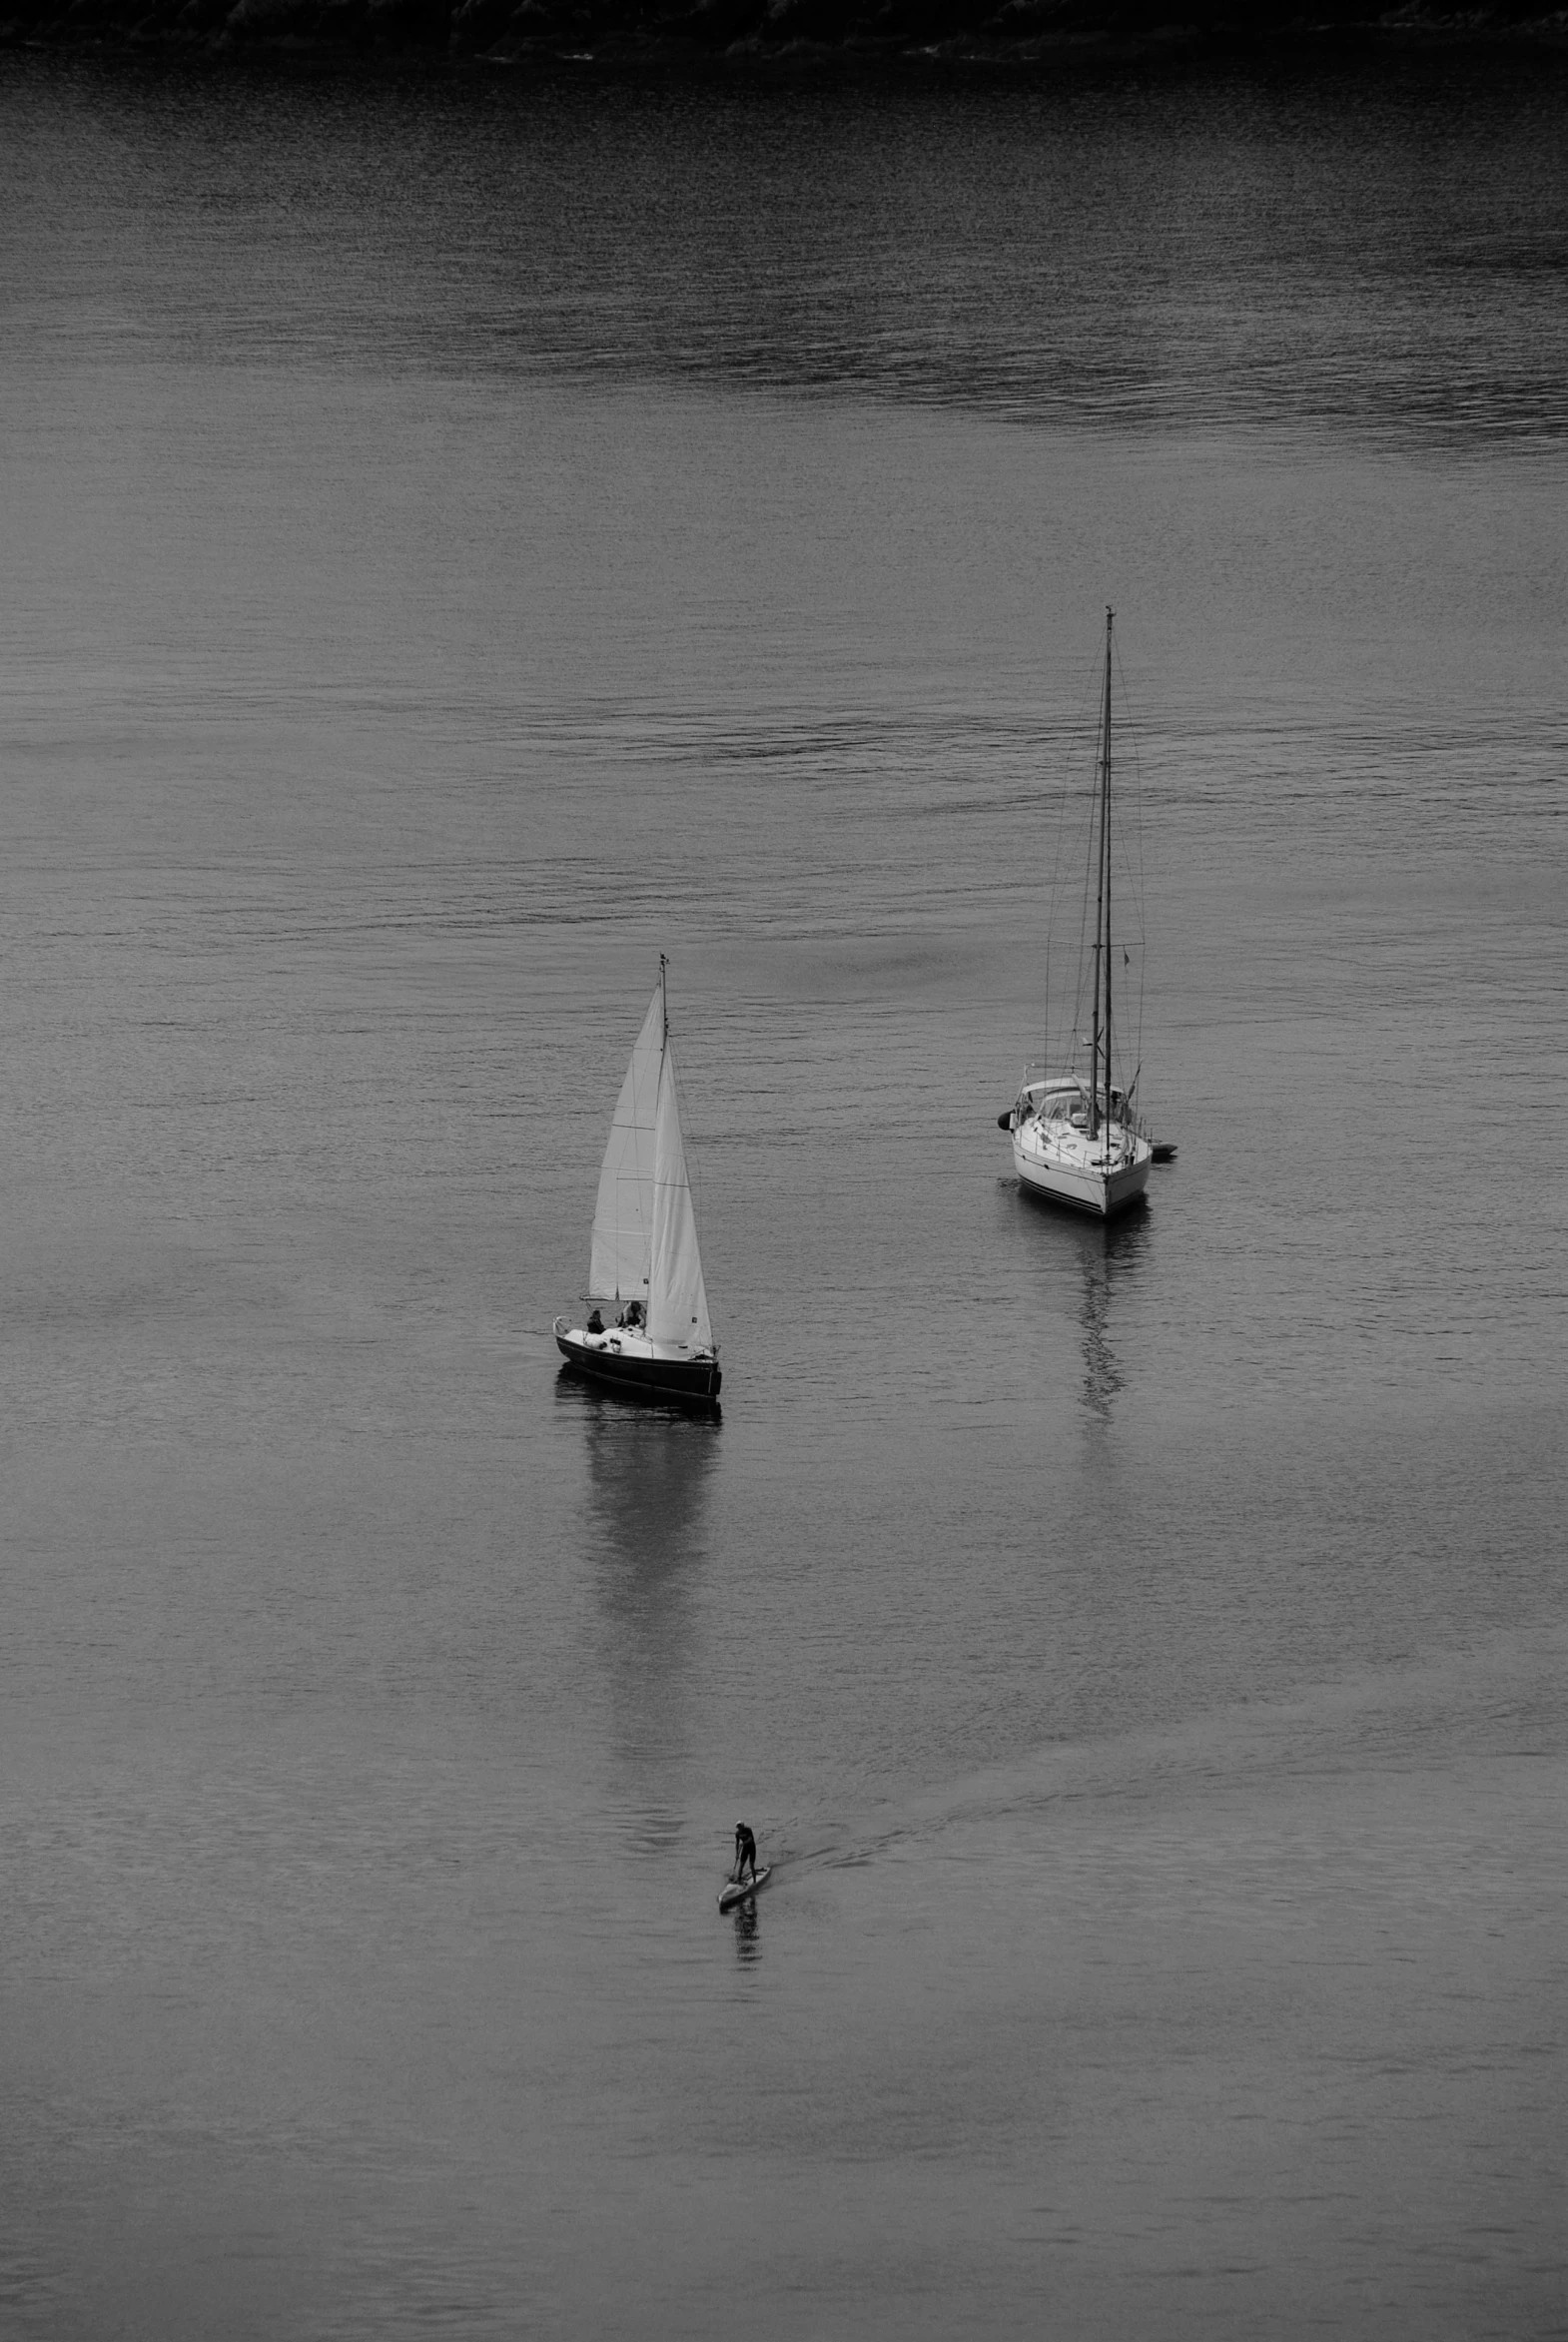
x: 457, y: 544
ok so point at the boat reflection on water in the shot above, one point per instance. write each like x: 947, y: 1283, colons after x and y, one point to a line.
x: 648, y: 1474
x: 1107, y: 1255
x: 1100, y: 1256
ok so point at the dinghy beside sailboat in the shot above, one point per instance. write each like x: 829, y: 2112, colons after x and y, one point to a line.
x: 648, y: 1332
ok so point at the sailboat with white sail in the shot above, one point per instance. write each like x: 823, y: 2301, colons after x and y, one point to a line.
x: 1076, y: 1136
x: 648, y: 1330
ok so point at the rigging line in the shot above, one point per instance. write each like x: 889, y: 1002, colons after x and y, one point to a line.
x: 1069, y: 799
x: 1090, y: 965
x: 1087, y: 969
x: 1129, y: 731
x: 1129, y: 715
x: 1130, y: 738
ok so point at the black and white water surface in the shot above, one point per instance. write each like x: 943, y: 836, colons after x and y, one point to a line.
x: 458, y: 544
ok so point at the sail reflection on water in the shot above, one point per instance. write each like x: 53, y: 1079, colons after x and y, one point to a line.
x: 648, y: 1474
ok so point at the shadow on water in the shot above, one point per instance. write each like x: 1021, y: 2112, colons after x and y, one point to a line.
x: 648, y: 1471
x: 1097, y: 1257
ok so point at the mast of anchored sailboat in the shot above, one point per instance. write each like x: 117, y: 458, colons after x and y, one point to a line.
x: 665, y: 1066
x: 1105, y: 831
x: 1103, y: 911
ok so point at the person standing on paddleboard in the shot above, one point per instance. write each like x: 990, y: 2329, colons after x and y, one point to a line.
x: 745, y: 1852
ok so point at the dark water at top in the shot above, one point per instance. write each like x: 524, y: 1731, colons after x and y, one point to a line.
x: 459, y: 543
x: 1383, y: 254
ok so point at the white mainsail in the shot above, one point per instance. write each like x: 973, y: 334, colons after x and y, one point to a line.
x: 677, y: 1297
x: 624, y: 1217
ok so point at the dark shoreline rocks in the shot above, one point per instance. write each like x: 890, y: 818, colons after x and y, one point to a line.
x: 833, y: 35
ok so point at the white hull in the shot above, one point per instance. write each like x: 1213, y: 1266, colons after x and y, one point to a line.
x: 738, y: 1890
x: 1082, y: 1176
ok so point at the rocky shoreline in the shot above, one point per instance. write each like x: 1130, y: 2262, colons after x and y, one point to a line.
x: 875, y: 34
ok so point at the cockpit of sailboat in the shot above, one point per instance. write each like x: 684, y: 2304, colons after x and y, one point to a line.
x: 1064, y: 1101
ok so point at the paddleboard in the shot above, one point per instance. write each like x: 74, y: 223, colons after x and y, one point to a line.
x: 733, y: 1893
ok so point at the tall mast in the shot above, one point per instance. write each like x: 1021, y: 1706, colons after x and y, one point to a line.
x: 1103, y: 912
x: 1105, y: 845
x: 664, y: 1052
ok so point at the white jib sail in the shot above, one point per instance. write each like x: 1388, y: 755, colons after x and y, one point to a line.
x: 677, y: 1297
x: 623, y: 1215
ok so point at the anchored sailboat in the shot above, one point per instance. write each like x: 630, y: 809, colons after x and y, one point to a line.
x: 1076, y: 1136
x: 649, y: 1330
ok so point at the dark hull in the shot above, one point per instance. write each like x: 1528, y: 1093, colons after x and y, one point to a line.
x: 661, y: 1378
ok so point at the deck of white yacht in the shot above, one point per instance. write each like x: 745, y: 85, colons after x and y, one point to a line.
x: 1058, y: 1151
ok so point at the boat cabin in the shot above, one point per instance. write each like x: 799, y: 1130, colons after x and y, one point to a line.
x: 1063, y: 1099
